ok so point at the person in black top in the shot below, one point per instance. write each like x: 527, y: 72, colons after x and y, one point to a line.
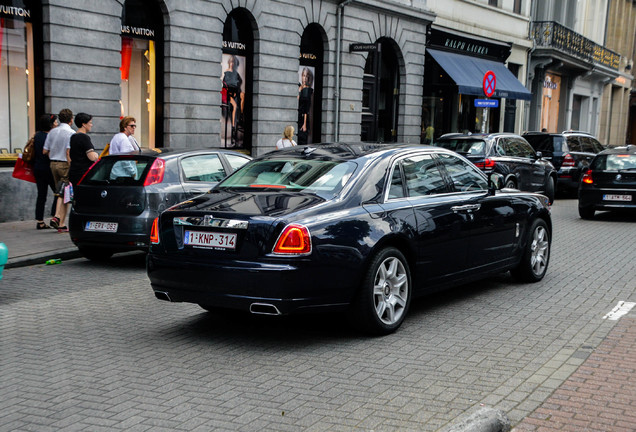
x: 42, y: 168
x: 82, y: 151
x: 305, y: 95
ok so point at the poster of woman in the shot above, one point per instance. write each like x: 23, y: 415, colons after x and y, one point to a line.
x: 232, y: 100
x: 305, y: 103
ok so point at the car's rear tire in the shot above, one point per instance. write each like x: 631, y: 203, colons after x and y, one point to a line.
x: 385, y: 294
x: 536, y: 255
x: 550, y: 190
x: 586, y: 212
x: 95, y: 253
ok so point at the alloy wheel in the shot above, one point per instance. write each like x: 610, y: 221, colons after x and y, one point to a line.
x: 390, y: 290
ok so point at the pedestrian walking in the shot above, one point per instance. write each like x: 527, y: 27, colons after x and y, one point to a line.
x: 82, y: 151
x: 57, y: 147
x: 42, y: 169
x: 124, y: 142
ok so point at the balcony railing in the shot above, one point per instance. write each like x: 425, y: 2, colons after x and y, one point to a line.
x: 551, y: 34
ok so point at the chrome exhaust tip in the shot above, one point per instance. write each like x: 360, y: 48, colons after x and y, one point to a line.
x: 162, y: 295
x: 264, y: 309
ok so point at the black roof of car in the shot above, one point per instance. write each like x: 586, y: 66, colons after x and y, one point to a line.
x: 629, y: 149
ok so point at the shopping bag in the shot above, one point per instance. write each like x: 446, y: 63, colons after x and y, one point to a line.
x: 23, y: 171
x: 68, y: 193
x: 106, y: 151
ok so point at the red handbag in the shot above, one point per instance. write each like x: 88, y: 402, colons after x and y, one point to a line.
x: 23, y: 171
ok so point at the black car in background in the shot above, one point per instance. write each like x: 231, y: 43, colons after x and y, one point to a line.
x: 357, y: 227
x: 119, y: 197
x: 569, y: 152
x: 610, y: 182
x: 507, y: 154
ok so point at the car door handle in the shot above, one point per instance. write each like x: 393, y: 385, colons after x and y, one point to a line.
x: 466, y: 208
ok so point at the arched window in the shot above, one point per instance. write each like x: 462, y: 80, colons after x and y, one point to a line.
x: 380, y: 94
x: 310, y: 85
x: 236, y: 76
x: 142, y: 69
x: 20, y: 72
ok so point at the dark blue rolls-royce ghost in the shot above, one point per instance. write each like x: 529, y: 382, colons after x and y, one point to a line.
x: 363, y: 227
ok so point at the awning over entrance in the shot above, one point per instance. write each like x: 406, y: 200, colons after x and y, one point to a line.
x: 468, y: 73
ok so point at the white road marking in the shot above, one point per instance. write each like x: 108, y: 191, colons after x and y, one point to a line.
x: 621, y: 309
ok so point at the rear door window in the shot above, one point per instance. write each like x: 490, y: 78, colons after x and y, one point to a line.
x: 463, y: 146
x: 574, y: 144
x: 236, y: 161
x: 422, y: 175
x: 465, y: 176
x: 203, y: 168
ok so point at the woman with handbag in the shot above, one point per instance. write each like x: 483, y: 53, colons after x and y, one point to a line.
x: 42, y: 169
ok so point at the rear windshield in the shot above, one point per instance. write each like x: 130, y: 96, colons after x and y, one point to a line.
x: 122, y: 170
x: 546, y: 144
x: 324, y: 178
x: 463, y: 146
x: 615, y: 162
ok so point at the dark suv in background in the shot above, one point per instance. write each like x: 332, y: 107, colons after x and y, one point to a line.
x: 569, y: 152
x: 507, y: 154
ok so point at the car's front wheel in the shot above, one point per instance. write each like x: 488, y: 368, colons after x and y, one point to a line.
x: 550, y: 190
x: 510, y: 184
x: 385, y: 295
x: 96, y: 254
x: 536, y: 255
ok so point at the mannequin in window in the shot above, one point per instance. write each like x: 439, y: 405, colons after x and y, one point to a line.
x: 305, y: 97
x: 232, y: 82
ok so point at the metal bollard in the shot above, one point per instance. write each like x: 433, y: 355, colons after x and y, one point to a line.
x: 4, y: 257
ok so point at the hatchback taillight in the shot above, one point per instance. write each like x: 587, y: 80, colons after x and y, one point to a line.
x: 157, y: 170
x: 294, y: 240
x: 568, y: 161
x: 587, y: 177
x: 486, y: 164
x: 154, y: 232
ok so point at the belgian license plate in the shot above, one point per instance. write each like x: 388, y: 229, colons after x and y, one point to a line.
x: 101, y: 226
x: 210, y: 239
x: 608, y: 197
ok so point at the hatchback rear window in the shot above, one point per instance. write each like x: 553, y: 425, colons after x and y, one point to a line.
x: 324, y: 178
x: 126, y: 170
x: 615, y: 162
x: 463, y: 146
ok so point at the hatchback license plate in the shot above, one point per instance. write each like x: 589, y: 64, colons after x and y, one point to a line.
x: 210, y: 239
x: 608, y: 197
x: 101, y: 226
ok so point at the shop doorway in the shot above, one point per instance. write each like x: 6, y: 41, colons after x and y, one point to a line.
x: 380, y: 94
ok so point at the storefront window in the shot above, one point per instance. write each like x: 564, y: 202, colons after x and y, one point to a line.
x: 139, y: 97
x: 310, y: 86
x: 17, y: 82
x: 236, y: 77
x: 550, y: 108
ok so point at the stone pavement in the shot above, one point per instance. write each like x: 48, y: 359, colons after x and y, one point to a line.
x: 29, y: 246
x: 599, y: 394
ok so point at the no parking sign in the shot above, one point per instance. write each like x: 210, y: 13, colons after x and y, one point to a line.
x: 490, y: 83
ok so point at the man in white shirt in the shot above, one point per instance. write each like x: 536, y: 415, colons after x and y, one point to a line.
x: 124, y: 142
x: 57, y: 146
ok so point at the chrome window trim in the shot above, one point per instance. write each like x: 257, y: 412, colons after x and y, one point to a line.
x: 210, y: 221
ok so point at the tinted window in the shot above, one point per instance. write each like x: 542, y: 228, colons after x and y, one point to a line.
x: 422, y: 176
x: 590, y: 145
x: 546, y: 144
x: 574, y: 144
x: 560, y: 144
x: 463, y: 146
x: 123, y: 170
x: 204, y: 168
x: 465, y: 176
x: 516, y: 147
x: 236, y: 161
x: 615, y: 162
x: 396, y: 189
x: 323, y: 177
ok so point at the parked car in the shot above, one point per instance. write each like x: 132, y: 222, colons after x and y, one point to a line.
x: 569, y: 152
x: 610, y: 182
x: 119, y: 197
x: 507, y: 154
x: 358, y: 227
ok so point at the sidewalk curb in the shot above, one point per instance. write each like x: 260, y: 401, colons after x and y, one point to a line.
x: 40, y: 258
x: 483, y: 420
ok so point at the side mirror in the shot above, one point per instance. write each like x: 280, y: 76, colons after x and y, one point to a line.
x: 495, y: 182
x: 539, y: 155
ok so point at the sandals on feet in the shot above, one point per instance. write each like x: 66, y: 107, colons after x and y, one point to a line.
x: 42, y: 225
x: 55, y: 222
x: 62, y: 229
